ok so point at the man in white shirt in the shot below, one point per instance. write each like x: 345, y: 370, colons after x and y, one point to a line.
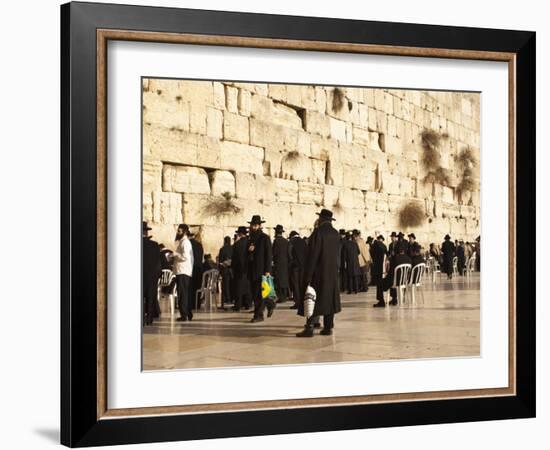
x: 183, y: 268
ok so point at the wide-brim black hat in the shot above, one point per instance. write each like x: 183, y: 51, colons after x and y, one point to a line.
x: 411, y: 235
x: 393, y: 234
x: 145, y: 226
x: 325, y: 214
x: 400, y: 235
x: 294, y: 233
x: 256, y: 220
x: 279, y: 229
x: 241, y: 230
x: 447, y: 237
x: 380, y: 237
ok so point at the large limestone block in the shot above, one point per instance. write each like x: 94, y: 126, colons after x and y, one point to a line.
x: 152, y: 174
x: 407, y: 186
x: 192, y: 91
x: 337, y: 129
x: 390, y: 183
x: 319, y: 147
x: 379, y: 99
x: 167, y: 207
x: 355, y: 219
x: 231, y: 99
x: 277, y: 92
x: 297, y: 168
x: 275, y: 213
x: 310, y: 193
x: 317, y: 123
x: 219, y: 95
x: 185, y: 179
x: 241, y: 157
x: 320, y: 99
x: 245, y: 185
x: 358, y: 177
x: 244, y: 101
x: 263, y: 108
x: 169, y: 113
x: 351, y: 198
x: 197, y: 118
x: 330, y: 196
x: 294, y: 95
x: 334, y: 172
x: 147, y: 206
x: 318, y: 171
x: 222, y: 181
x: 214, y: 123
x: 353, y: 155
x: 235, y: 128
x: 265, y: 188
x: 272, y: 162
x: 447, y: 194
x: 286, y: 190
x: 394, y: 145
x: 375, y: 222
x: 303, y: 216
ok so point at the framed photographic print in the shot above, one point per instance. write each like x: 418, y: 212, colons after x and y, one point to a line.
x: 277, y: 224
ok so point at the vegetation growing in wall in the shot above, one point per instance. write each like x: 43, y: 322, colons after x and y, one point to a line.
x: 466, y: 163
x: 411, y: 215
x: 338, y: 99
x: 431, y: 159
x: 225, y: 204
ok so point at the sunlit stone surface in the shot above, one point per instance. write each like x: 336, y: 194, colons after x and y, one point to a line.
x: 446, y: 325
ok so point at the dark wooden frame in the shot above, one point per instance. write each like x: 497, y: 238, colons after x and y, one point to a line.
x: 85, y: 29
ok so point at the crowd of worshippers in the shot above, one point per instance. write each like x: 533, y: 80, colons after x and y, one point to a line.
x: 329, y: 261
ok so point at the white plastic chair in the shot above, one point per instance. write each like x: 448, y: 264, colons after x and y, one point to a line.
x: 455, y: 265
x: 400, y: 281
x: 415, y: 282
x: 166, y: 278
x: 433, y: 268
x: 470, y: 266
x: 208, y: 289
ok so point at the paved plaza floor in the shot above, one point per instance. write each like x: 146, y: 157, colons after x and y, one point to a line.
x: 447, y: 324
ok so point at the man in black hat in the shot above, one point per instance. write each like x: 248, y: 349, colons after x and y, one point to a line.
x: 198, y: 269
x: 280, y: 264
x: 298, y: 254
x: 400, y: 258
x: 412, y: 241
x: 379, y: 251
x: 260, y: 256
x: 151, y: 266
x: 401, y: 240
x: 321, y: 274
x: 351, y: 255
x: 393, y: 242
x: 224, y: 262
x: 342, y: 261
x: 448, y: 250
x: 183, y: 269
x: 239, y: 268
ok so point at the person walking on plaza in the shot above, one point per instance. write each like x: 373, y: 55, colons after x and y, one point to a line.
x: 196, y: 279
x: 239, y: 264
x: 280, y: 265
x: 183, y: 269
x: 400, y: 257
x: 448, y: 251
x: 224, y: 263
x: 151, y: 267
x: 260, y: 256
x: 298, y: 253
x: 351, y: 256
x: 379, y: 252
x: 461, y: 257
x: 365, y: 260
x: 321, y: 273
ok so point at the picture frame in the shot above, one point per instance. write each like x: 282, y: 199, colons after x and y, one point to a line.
x: 86, y: 419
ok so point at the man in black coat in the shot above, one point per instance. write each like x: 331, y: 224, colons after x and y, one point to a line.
x: 393, y: 243
x: 239, y: 268
x: 298, y: 253
x: 461, y: 257
x: 400, y: 258
x: 280, y: 265
x: 342, y: 261
x: 224, y: 263
x: 151, y: 266
x: 351, y: 258
x: 196, y: 279
x: 378, y: 252
x: 260, y: 257
x: 448, y: 251
x: 321, y: 273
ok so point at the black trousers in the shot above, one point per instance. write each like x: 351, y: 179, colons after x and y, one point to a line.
x: 382, y: 286
x: 364, y: 280
x: 298, y: 288
x: 226, y: 285
x: 328, y: 321
x: 353, y: 284
x: 184, y: 302
x: 241, y: 291
x: 151, y: 301
x: 259, y: 303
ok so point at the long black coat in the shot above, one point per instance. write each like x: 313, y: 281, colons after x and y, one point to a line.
x: 151, y: 261
x: 259, y: 260
x: 298, y: 253
x: 239, y: 265
x: 461, y: 258
x: 351, y: 254
x: 448, y: 251
x: 322, y: 269
x: 280, y: 262
x: 397, y: 260
x: 378, y: 250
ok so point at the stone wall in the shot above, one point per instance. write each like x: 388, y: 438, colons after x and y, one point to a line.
x: 285, y: 151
